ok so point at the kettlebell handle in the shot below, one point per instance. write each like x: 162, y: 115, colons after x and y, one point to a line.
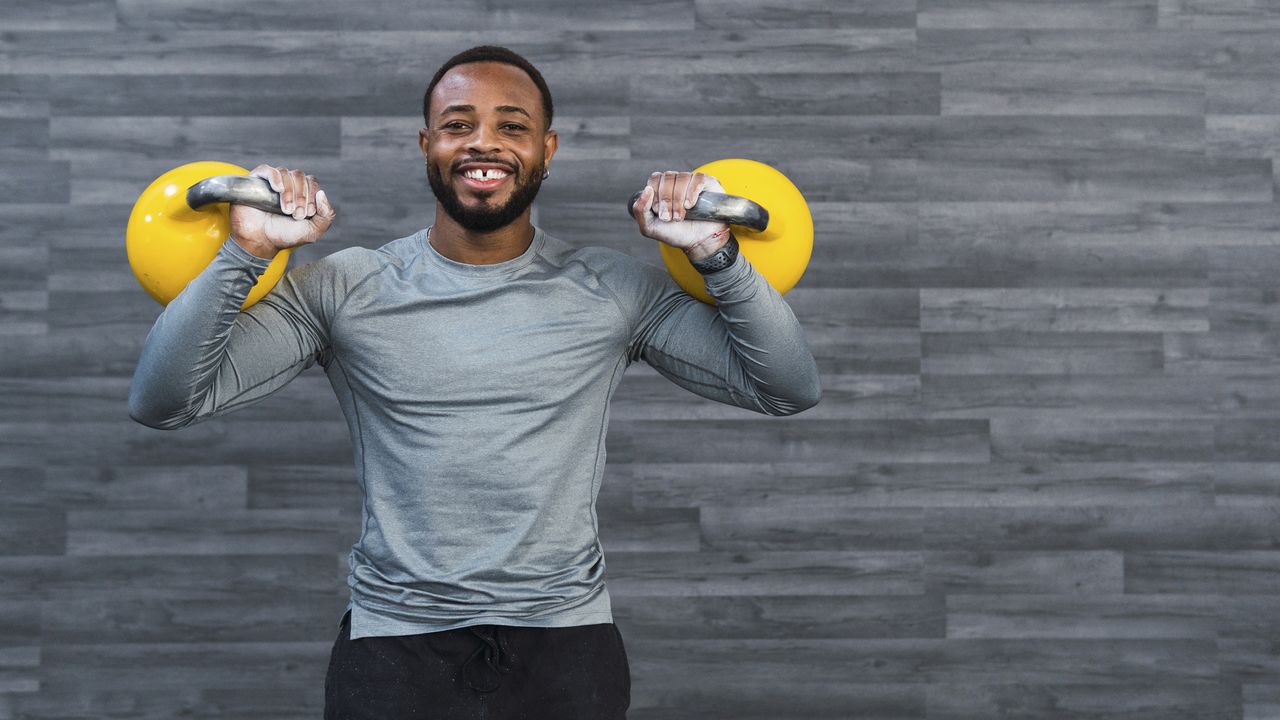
x: 723, y: 208
x: 254, y: 191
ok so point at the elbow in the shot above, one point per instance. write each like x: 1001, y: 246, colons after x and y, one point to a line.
x: 143, y: 415
x: 156, y: 424
x: 795, y: 407
x: 812, y: 399
x: 794, y: 404
x: 805, y: 394
x: 154, y: 400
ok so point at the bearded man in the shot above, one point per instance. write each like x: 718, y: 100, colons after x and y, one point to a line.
x: 474, y: 362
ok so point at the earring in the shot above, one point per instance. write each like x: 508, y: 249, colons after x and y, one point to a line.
x: 546, y: 174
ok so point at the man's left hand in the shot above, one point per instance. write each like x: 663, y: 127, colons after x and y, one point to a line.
x: 660, y: 213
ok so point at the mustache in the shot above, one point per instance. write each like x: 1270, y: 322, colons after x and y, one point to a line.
x: 493, y: 161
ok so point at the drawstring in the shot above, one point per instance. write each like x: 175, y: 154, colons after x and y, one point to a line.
x: 493, y: 647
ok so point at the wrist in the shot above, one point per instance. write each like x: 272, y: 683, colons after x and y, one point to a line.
x: 708, y: 246
x: 255, y: 249
x: 722, y: 257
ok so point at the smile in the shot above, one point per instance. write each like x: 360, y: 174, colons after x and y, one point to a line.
x: 484, y: 179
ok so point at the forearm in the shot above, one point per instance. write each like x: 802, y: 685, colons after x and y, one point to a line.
x: 749, y: 350
x: 185, y: 348
x: 768, y: 350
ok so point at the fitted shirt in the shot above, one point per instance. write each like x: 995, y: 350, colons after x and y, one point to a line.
x: 477, y: 397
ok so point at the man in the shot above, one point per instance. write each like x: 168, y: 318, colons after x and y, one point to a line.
x: 474, y: 361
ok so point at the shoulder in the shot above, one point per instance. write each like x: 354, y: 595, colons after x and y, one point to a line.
x: 610, y: 265
x: 343, y: 267
x: 343, y: 270
x: 632, y: 276
x: 357, y: 263
x: 402, y: 250
x: 636, y: 284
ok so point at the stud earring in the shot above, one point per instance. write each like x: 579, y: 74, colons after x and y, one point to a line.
x: 546, y: 174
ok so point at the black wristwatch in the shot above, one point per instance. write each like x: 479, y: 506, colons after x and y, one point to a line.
x: 719, y: 260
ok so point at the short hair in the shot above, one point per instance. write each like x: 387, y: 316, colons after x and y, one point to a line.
x: 490, y: 53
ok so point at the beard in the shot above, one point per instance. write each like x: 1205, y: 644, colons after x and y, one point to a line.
x: 486, y: 217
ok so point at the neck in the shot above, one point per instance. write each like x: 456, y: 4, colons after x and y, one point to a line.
x: 466, y: 246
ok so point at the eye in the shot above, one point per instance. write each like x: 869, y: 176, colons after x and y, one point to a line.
x: 454, y: 123
x: 516, y: 126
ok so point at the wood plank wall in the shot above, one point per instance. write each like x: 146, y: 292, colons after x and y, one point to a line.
x: 1044, y: 479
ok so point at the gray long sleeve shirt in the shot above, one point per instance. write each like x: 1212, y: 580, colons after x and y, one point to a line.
x: 477, y: 397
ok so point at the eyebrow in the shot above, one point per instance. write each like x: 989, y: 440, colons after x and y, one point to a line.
x: 500, y: 108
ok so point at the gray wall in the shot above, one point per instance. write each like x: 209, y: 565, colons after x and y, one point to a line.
x: 1044, y: 479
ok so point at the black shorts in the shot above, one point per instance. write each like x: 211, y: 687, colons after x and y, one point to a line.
x: 492, y: 672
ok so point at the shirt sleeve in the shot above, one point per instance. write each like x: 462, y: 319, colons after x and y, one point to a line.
x: 748, y: 350
x: 204, y: 357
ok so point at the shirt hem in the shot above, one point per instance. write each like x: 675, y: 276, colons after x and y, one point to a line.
x: 368, y: 623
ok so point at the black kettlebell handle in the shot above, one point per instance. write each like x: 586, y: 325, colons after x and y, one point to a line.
x: 251, y: 190
x: 720, y: 207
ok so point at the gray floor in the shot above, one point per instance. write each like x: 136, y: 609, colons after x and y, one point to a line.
x: 1044, y: 479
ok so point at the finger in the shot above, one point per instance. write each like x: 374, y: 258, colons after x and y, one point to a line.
x: 324, y: 214
x: 286, y: 190
x: 300, y: 202
x: 299, y: 194
x: 678, y: 196
x: 649, y: 199
x: 638, y: 204
x: 640, y: 210
x: 272, y: 176
x: 267, y: 173
x: 665, y: 187
x: 313, y: 187
x: 323, y: 208
x: 697, y: 183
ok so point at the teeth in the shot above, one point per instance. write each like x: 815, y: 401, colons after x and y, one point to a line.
x: 488, y: 174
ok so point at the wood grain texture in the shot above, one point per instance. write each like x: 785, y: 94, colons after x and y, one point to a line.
x: 1044, y: 478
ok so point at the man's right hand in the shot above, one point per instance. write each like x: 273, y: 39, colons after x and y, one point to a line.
x: 264, y: 234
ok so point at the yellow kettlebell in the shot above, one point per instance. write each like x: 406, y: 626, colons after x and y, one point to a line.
x: 770, y: 220
x: 169, y: 243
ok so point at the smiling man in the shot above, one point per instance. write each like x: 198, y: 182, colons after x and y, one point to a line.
x: 474, y: 362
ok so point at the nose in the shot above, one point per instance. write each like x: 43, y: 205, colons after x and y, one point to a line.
x: 483, y: 140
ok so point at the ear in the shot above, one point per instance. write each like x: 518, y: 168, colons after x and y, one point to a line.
x: 424, y: 141
x: 549, y: 145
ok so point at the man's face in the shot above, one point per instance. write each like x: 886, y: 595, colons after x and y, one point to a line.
x: 485, y: 144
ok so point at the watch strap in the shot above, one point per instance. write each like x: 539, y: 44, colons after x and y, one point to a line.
x: 719, y: 260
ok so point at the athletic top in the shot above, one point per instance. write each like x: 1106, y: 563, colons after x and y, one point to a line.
x: 477, y: 397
